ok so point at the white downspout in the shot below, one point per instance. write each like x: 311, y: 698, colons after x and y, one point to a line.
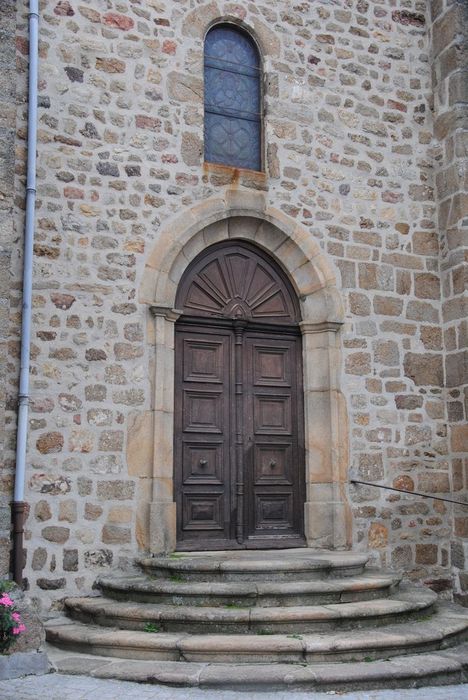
x: 23, y: 393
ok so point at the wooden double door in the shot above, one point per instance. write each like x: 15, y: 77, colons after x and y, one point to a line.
x: 239, y: 462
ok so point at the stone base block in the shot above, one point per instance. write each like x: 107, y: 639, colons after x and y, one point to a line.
x: 325, y: 525
x: 23, y: 663
x: 162, y: 527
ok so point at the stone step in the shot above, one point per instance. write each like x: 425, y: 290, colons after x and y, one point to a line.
x: 448, y: 626
x: 142, y: 589
x: 256, y: 565
x: 406, y: 604
x: 435, y: 668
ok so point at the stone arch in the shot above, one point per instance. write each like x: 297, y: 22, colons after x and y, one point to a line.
x: 243, y: 215
x: 199, y: 21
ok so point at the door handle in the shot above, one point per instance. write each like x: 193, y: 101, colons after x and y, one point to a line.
x: 272, y: 464
x: 203, y: 463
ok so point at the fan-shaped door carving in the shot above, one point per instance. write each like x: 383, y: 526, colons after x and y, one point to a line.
x: 236, y: 281
x: 238, y: 403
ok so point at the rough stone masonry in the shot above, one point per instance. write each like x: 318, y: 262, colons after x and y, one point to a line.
x: 365, y: 133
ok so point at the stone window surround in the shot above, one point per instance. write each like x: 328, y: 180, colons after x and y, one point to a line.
x: 203, y: 19
x: 245, y: 215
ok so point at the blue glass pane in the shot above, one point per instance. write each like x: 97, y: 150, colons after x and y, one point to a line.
x: 233, y: 92
x: 232, y: 141
x: 229, y: 44
x: 232, y: 99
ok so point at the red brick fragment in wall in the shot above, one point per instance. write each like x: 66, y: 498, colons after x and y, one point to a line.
x: 113, y: 19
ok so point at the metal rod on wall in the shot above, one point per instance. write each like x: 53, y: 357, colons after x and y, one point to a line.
x: 411, y: 493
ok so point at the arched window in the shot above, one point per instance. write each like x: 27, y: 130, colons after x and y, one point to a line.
x: 233, y: 104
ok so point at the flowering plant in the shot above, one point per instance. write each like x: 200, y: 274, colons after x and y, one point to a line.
x: 10, y: 621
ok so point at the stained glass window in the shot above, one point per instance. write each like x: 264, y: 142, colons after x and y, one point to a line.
x: 232, y: 99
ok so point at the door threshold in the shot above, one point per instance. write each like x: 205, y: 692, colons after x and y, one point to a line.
x: 254, y: 543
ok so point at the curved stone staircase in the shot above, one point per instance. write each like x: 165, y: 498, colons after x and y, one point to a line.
x: 272, y: 619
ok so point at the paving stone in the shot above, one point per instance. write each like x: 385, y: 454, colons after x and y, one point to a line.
x: 65, y: 687
x: 23, y: 663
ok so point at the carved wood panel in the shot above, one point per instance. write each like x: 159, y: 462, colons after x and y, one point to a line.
x: 272, y: 388
x: 207, y: 472
x: 203, y: 434
x: 239, y: 462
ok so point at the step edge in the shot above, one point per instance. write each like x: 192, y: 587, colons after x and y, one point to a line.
x: 356, y: 610
x: 396, y: 669
x: 335, y: 642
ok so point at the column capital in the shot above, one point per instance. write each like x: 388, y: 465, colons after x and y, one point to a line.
x: 167, y: 312
x: 308, y: 327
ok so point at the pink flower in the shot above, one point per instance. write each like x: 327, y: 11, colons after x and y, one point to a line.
x: 19, y: 629
x: 6, y: 601
x: 16, y: 617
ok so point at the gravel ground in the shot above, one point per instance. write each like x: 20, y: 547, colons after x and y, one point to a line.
x: 55, y: 686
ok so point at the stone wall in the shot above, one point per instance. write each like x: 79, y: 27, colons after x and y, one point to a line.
x: 7, y: 261
x: 350, y: 156
x: 450, y: 80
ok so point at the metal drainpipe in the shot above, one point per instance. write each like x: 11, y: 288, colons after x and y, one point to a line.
x: 18, y: 505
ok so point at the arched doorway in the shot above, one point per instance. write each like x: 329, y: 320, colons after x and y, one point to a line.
x: 238, y: 412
